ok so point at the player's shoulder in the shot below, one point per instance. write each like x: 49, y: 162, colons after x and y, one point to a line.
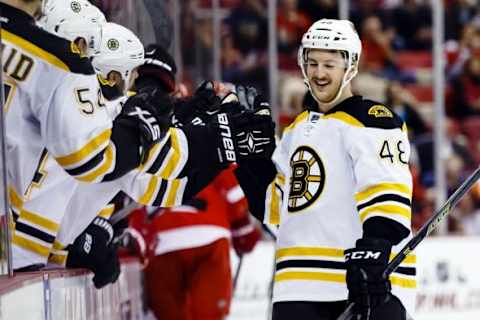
x: 361, y: 112
x: 46, y: 46
x: 301, y: 118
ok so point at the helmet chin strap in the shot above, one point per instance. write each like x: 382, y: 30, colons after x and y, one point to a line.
x: 345, y: 82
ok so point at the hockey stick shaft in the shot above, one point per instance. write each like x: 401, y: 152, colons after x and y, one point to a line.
x: 433, y: 222
x: 237, y: 272
x: 124, y: 212
x: 424, y: 231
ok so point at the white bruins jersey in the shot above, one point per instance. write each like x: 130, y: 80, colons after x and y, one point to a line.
x: 70, y: 205
x: 51, y: 104
x: 163, y: 189
x: 335, y: 172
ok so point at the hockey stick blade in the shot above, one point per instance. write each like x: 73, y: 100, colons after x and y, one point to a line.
x: 424, y: 231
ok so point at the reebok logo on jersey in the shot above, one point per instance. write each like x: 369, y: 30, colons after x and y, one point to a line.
x: 363, y: 255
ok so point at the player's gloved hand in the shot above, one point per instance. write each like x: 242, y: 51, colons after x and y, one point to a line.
x: 199, y: 108
x: 367, y: 286
x: 93, y: 249
x: 245, y: 235
x: 158, y: 70
x: 254, y: 129
x: 149, y: 112
x: 132, y: 243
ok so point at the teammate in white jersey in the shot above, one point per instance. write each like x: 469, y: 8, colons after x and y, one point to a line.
x: 52, y: 108
x: 339, y: 188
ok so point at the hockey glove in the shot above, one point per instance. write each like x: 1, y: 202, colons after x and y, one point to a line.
x: 149, y: 113
x: 198, y: 109
x: 245, y: 235
x: 254, y: 130
x: 93, y: 249
x: 367, y: 286
x: 158, y: 70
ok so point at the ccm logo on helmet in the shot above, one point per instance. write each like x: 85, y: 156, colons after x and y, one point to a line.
x: 226, y: 134
x: 362, y: 255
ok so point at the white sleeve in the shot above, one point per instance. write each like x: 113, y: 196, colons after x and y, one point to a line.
x: 77, y: 130
x: 383, y: 183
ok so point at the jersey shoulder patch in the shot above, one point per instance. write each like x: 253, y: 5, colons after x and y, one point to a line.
x: 48, y: 47
x: 368, y: 113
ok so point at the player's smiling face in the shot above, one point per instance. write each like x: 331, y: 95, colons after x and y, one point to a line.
x: 325, y: 70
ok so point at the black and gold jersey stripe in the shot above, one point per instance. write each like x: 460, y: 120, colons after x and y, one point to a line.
x: 163, y: 193
x: 92, y: 161
x: 360, y: 112
x: 385, y: 199
x: 328, y: 265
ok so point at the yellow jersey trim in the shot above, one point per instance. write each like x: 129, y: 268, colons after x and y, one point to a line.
x: 147, y: 196
x: 344, y: 117
x: 299, y: 119
x: 102, y: 169
x: 336, y: 277
x: 107, y: 212
x: 86, y: 150
x: 309, y: 251
x: 274, y: 206
x: 316, y: 276
x: 39, y: 221
x: 383, y: 188
x: 30, y: 245
x: 385, y: 209
x: 34, y: 50
x: 173, y: 160
x: 15, y: 200
x: 172, y: 193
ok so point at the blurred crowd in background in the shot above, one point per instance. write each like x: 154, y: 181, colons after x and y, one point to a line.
x: 395, y: 68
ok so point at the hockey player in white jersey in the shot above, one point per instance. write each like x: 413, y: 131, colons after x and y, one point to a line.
x: 52, y: 108
x: 166, y: 159
x: 339, y: 188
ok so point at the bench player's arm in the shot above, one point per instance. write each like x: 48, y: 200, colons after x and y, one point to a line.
x: 80, y: 135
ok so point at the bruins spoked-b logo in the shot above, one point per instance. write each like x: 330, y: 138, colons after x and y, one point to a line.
x: 308, y: 178
x: 76, y: 6
x: 113, y: 44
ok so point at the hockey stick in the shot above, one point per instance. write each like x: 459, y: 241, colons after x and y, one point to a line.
x: 424, y: 231
x: 124, y: 212
x: 237, y: 272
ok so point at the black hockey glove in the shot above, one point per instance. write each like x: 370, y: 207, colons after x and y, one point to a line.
x: 158, y: 70
x: 199, y: 108
x: 254, y: 129
x: 149, y: 112
x: 367, y: 287
x: 93, y: 249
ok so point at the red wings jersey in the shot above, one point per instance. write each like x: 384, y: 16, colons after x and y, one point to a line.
x: 188, y: 227
x: 225, y: 202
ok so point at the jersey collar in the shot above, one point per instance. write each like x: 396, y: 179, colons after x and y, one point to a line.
x: 345, y: 104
